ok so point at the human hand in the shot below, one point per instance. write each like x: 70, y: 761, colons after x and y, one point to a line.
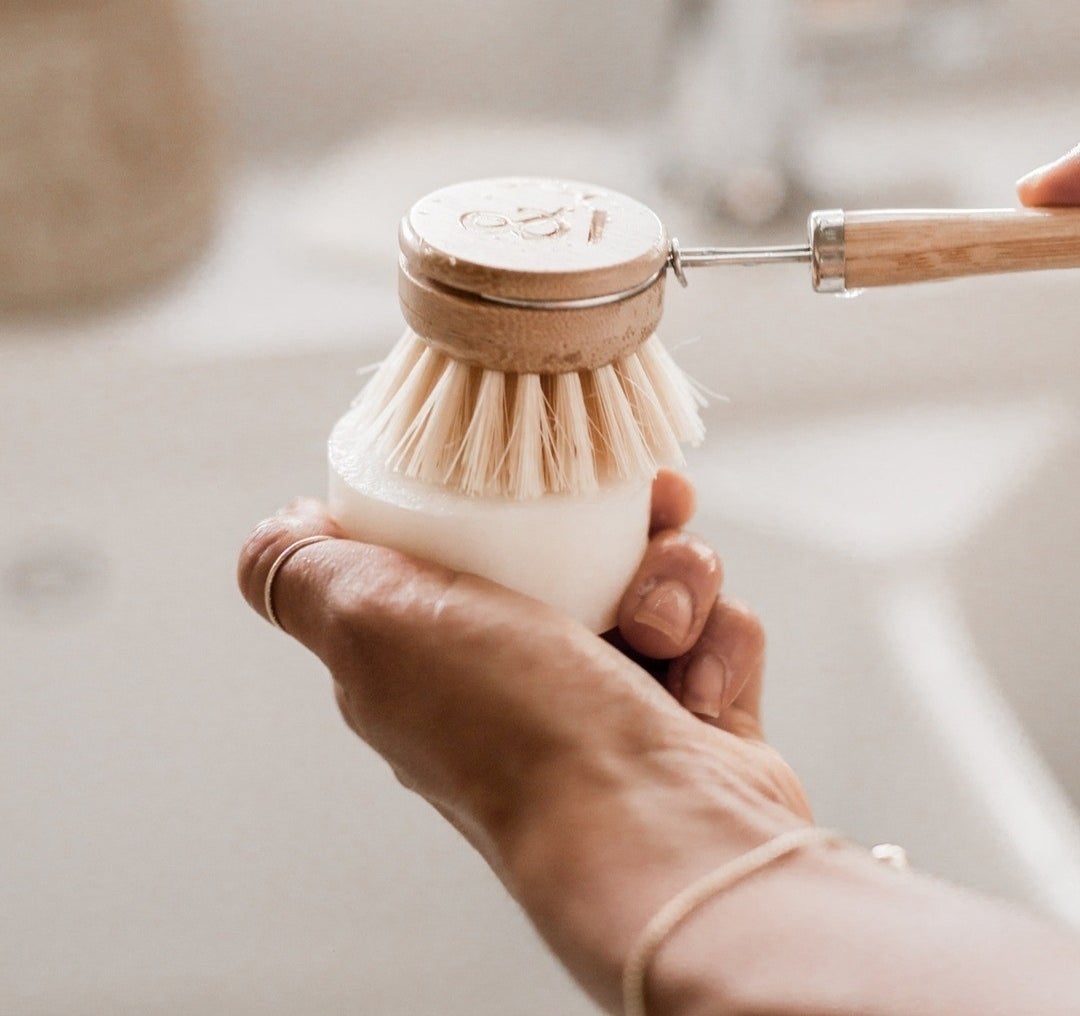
x: 1057, y: 183
x: 590, y: 791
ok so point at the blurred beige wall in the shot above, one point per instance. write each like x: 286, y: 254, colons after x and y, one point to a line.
x: 298, y: 76
x: 301, y: 75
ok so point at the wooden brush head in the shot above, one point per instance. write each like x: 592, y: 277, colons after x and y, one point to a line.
x: 531, y: 365
x: 479, y: 259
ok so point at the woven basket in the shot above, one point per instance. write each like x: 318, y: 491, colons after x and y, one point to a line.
x: 108, y: 169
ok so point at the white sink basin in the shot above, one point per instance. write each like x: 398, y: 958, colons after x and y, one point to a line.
x: 862, y: 518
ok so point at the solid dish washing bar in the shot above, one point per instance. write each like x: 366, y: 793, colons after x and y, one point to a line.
x: 577, y: 553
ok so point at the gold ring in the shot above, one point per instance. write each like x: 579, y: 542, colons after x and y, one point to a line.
x: 268, y: 589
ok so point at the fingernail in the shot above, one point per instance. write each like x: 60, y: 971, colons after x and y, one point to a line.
x: 703, y: 685
x: 667, y: 608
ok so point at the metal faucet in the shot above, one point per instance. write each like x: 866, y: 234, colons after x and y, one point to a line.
x: 746, y: 77
x: 732, y: 114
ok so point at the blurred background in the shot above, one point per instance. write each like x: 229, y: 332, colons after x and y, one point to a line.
x: 198, y: 205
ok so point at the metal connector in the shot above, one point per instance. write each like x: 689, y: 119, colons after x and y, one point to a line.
x: 828, y: 266
x: 703, y: 257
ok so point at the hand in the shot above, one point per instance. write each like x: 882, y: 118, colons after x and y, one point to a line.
x: 1057, y: 183
x: 591, y: 792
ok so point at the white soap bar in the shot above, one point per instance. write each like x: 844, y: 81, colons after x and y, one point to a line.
x: 577, y: 553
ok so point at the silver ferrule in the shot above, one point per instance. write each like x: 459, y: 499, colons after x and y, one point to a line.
x: 827, y: 261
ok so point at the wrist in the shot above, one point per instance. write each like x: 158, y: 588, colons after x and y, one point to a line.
x: 770, y: 942
x: 830, y: 930
x: 612, y: 837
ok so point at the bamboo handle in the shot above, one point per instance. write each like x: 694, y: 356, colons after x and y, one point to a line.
x: 889, y: 248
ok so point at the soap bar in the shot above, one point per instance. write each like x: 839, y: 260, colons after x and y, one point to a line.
x: 576, y: 553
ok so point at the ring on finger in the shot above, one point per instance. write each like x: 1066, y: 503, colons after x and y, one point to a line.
x: 268, y: 588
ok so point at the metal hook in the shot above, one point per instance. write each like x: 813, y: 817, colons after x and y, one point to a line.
x: 675, y: 260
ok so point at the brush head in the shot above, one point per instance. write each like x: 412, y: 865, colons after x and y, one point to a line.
x: 478, y: 261
x: 531, y: 365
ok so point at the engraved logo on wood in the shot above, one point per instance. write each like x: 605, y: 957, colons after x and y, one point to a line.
x: 528, y: 223
x: 537, y: 224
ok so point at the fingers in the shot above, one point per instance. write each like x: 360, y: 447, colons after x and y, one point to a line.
x: 720, y: 678
x: 302, y: 518
x: 667, y: 604
x: 325, y: 585
x: 673, y: 501
x: 1057, y: 183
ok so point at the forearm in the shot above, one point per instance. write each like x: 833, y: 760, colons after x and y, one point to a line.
x: 602, y: 847
x: 830, y: 932
x: 825, y: 931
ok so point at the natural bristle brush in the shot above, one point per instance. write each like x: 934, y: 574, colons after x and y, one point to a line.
x: 514, y: 430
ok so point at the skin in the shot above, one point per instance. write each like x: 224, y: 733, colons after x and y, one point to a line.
x: 1056, y: 183
x: 628, y: 766
x: 443, y: 672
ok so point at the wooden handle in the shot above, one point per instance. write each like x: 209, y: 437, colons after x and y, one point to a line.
x: 890, y: 248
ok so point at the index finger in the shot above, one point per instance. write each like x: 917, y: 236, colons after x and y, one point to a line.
x: 324, y: 585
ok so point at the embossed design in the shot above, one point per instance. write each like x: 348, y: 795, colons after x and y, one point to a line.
x: 531, y: 223
x: 528, y: 223
x: 596, y: 226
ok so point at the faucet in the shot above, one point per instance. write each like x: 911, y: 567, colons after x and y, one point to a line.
x: 748, y: 75
x: 730, y: 120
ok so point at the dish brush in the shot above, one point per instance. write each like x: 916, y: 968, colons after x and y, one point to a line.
x: 514, y: 430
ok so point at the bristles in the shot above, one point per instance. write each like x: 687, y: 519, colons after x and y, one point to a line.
x: 655, y: 427
x: 678, y: 397
x: 429, y: 446
x: 386, y: 382
x: 574, y: 465
x: 523, y: 435
x: 618, y: 442
x: 528, y: 444
x: 484, y: 446
x: 395, y: 413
